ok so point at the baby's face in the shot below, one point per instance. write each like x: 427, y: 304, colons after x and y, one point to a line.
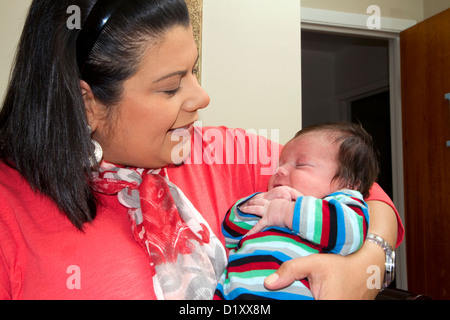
x: 308, y: 164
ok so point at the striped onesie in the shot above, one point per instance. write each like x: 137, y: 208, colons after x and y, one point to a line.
x: 337, y: 223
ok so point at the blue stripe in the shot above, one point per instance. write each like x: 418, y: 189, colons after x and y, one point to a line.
x: 243, y: 214
x: 277, y: 295
x: 296, y: 217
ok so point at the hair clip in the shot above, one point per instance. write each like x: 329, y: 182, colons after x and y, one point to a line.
x: 93, y: 26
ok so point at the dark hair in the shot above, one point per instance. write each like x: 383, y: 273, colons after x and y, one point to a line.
x: 357, y: 157
x: 43, y: 123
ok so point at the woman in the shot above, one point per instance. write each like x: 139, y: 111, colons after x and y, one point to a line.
x: 127, y: 81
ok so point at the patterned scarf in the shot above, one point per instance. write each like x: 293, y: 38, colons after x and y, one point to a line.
x: 186, y: 258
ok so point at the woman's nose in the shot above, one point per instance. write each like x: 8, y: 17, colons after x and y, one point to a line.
x: 200, y: 98
x: 204, y: 98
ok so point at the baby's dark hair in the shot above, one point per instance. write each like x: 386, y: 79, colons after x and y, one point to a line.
x: 357, y: 157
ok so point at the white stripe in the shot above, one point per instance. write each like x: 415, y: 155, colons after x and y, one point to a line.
x: 310, y: 210
x: 352, y: 222
x: 258, y: 281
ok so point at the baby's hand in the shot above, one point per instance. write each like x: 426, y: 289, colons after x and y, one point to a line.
x: 275, y: 207
x: 282, y: 192
x: 273, y: 213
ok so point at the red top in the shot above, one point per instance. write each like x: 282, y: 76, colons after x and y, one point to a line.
x: 43, y: 256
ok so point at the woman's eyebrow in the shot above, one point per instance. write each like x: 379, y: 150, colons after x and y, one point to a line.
x: 176, y: 73
x: 173, y: 74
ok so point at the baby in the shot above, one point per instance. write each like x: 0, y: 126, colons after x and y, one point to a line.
x: 314, y: 204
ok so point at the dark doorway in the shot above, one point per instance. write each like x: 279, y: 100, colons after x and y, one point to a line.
x: 373, y: 113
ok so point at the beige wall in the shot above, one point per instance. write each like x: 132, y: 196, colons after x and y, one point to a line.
x: 432, y: 7
x: 12, y: 17
x: 251, y: 65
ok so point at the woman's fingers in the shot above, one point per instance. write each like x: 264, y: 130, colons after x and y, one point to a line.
x: 288, y: 272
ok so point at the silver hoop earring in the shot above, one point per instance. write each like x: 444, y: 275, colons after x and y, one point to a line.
x: 98, y: 151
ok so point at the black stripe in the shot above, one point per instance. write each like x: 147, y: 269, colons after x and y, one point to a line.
x: 333, y: 227
x: 218, y: 294
x: 225, y: 226
x: 231, y: 232
x: 254, y: 259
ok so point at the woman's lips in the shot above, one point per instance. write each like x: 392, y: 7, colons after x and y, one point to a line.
x: 185, y: 129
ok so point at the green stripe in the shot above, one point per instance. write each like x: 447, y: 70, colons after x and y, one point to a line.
x: 249, y: 274
x: 318, y: 221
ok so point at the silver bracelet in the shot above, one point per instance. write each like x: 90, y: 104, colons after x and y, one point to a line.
x: 389, y: 273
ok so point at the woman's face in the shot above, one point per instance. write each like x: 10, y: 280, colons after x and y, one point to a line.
x: 164, y: 95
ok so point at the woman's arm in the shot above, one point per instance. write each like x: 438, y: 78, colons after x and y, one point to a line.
x: 338, y: 277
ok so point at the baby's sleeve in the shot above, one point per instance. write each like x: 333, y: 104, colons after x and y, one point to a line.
x: 237, y: 224
x: 337, y: 223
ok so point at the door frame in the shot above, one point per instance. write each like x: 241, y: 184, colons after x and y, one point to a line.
x: 355, y: 25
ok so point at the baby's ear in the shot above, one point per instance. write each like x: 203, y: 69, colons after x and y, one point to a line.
x: 357, y: 185
x: 351, y: 185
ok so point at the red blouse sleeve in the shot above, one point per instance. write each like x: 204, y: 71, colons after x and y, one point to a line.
x: 378, y: 194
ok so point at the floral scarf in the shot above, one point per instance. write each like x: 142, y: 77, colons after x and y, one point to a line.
x: 186, y: 258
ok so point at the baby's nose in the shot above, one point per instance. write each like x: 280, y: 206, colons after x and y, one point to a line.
x: 281, y: 171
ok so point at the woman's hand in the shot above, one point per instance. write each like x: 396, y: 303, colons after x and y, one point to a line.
x: 331, y: 276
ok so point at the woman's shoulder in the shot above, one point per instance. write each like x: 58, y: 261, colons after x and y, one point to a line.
x: 17, y: 197
x: 19, y: 202
x: 11, y: 180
